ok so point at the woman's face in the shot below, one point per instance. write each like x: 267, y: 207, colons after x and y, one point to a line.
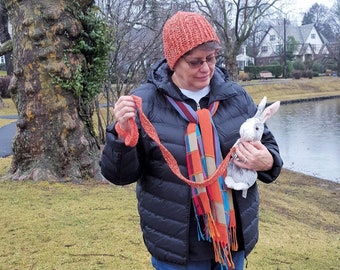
x: 194, y: 71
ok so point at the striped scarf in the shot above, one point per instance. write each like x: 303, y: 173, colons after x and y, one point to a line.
x: 213, y: 203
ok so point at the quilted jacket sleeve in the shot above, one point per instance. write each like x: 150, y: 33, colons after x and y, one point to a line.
x: 269, y: 141
x: 119, y: 163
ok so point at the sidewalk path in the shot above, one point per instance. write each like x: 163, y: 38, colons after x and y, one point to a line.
x: 7, y: 134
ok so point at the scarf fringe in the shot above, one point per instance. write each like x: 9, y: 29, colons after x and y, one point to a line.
x: 213, y: 231
x: 200, y: 234
x: 233, y: 239
x: 223, y: 255
x: 222, y: 249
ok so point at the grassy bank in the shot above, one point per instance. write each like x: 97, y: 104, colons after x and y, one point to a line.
x: 290, y: 89
x: 96, y: 225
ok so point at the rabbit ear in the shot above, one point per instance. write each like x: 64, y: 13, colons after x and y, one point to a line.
x: 269, y: 111
x: 260, y: 108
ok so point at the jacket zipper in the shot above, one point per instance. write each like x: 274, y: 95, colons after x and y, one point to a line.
x: 198, y: 106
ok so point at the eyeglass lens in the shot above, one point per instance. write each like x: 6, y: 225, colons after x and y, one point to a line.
x: 195, y: 63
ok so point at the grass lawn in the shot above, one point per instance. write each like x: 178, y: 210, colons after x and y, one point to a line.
x: 96, y: 225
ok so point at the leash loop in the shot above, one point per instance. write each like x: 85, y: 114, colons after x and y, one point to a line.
x: 131, y: 139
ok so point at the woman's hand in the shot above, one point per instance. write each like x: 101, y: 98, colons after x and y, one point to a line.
x: 253, y: 156
x: 124, y: 109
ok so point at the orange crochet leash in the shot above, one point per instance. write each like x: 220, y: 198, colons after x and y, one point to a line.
x: 131, y: 139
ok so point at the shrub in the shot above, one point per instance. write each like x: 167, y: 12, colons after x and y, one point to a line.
x: 276, y: 70
x: 318, y: 67
x: 254, y: 71
x: 4, y: 83
x: 243, y: 76
x: 299, y: 65
x: 307, y: 74
x: 290, y: 68
x: 274, y: 63
x: 296, y: 74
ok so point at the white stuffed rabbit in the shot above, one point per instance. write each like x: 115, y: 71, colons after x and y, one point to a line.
x: 251, y: 130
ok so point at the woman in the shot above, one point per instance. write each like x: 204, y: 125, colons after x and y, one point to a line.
x: 180, y: 229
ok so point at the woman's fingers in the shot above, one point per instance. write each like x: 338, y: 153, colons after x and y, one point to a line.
x: 124, y: 109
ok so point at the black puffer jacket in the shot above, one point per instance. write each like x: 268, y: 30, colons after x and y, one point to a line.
x: 164, y: 201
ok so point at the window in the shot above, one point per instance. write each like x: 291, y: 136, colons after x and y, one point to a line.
x: 312, y: 36
x: 278, y: 48
x: 264, y: 49
x: 272, y: 38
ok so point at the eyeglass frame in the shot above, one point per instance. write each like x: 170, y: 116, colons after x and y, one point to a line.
x: 199, y: 62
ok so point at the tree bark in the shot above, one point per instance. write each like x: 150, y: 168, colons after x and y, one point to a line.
x: 52, y: 142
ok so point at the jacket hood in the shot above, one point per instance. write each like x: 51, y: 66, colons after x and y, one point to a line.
x: 160, y: 75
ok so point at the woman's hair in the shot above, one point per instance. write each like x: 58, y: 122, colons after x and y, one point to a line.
x: 207, y: 46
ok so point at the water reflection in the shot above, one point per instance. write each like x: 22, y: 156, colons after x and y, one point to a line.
x: 308, y: 135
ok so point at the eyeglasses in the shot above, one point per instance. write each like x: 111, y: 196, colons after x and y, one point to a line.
x: 196, y: 63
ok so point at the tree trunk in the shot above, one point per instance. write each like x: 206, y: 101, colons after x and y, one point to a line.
x: 52, y: 142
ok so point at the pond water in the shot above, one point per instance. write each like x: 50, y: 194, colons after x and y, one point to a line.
x: 308, y: 135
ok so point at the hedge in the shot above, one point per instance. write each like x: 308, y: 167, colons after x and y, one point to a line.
x: 254, y: 71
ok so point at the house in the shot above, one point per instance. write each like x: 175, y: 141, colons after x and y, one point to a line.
x: 2, y: 59
x: 334, y: 51
x: 310, y: 44
x: 243, y: 60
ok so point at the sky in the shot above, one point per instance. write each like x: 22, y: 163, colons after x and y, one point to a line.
x: 296, y: 8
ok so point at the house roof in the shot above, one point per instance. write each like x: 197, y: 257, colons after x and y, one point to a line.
x: 300, y: 33
x: 305, y: 48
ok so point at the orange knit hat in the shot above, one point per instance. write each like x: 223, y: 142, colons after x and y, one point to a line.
x: 183, y: 32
